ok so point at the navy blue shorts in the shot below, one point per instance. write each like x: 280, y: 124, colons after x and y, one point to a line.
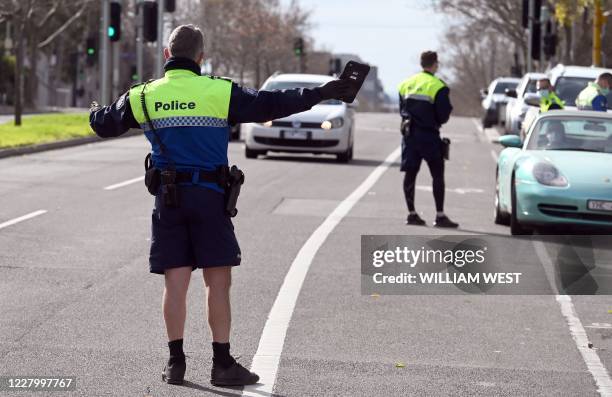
x: 419, y: 146
x: 198, y: 233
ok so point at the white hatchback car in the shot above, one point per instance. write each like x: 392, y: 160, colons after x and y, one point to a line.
x: 326, y: 128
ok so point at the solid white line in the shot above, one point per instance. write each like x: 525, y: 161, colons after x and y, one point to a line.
x: 267, y: 358
x: 590, y: 357
x: 125, y: 183
x: 22, y: 218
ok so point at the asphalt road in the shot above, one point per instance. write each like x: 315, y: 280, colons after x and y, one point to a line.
x: 76, y: 298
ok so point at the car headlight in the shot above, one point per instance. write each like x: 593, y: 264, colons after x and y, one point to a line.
x: 267, y: 124
x: 547, y: 174
x: 333, y: 123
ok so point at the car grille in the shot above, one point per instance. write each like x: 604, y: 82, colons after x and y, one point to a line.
x: 318, y: 143
x: 571, y: 212
x: 290, y: 124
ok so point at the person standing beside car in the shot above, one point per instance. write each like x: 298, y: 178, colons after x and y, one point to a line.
x: 424, y: 106
x: 548, y: 98
x: 594, y: 96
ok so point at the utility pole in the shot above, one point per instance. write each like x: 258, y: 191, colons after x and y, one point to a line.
x: 159, y: 65
x: 598, y: 20
x: 543, y: 18
x: 104, y: 52
x: 139, y: 41
x: 530, y: 36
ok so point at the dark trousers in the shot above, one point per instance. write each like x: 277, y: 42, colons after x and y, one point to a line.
x: 417, y: 147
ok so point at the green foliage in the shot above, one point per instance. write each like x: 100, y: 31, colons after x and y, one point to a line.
x: 45, y: 128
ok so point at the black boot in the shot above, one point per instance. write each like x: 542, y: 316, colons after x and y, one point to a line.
x: 226, y: 371
x: 443, y: 221
x: 234, y: 375
x: 174, y: 371
x: 415, y: 219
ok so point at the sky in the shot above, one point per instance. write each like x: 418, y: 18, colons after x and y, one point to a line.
x: 389, y: 34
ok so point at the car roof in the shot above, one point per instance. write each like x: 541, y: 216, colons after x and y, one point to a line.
x: 535, y: 76
x: 577, y: 71
x: 301, y: 78
x: 575, y: 113
x: 507, y: 80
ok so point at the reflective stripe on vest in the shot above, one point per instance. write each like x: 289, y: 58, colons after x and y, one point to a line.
x: 586, y: 96
x: 421, y: 87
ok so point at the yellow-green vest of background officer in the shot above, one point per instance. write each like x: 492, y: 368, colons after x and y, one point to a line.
x: 594, y: 96
x: 550, y: 100
x: 421, y: 87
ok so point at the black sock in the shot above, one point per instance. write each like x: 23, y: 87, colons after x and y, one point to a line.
x: 176, y: 350
x: 221, y: 354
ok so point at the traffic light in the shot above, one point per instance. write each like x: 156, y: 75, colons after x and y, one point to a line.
x: 535, y: 42
x: 114, y: 27
x: 91, y: 50
x: 134, y: 73
x: 298, y: 46
x: 170, y: 5
x: 550, y: 45
x: 149, y: 20
x: 536, y: 15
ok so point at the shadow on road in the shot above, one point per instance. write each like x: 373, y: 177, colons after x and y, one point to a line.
x: 237, y: 391
x: 327, y: 160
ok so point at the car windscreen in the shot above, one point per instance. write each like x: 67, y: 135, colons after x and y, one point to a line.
x: 568, y: 89
x: 531, y: 87
x: 502, y: 86
x: 289, y: 85
x: 572, y: 133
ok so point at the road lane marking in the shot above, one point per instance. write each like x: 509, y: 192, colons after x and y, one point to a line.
x: 124, y: 183
x: 489, y: 134
x: 22, y: 218
x: 267, y: 358
x: 589, y: 356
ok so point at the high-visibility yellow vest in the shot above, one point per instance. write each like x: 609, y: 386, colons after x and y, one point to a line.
x: 421, y: 87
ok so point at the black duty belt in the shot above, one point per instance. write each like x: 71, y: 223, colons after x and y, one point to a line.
x: 218, y: 176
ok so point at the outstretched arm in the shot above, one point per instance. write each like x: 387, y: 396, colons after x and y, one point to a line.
x: 251, y: 106
x: 113, y: 120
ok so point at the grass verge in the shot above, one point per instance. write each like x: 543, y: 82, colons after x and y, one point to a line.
x: 44, y: 128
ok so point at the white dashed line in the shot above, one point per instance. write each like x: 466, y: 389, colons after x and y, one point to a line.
x: 494, y: 155
x: 267, y: 357
x: 22, y: 218
x: 124, y: 183
x: 590, y: 357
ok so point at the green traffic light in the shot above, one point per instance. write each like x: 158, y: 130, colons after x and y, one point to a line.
x: 111, y: 31
x: 298, y: 52
x: 135, y: 77
x: 91, y: 51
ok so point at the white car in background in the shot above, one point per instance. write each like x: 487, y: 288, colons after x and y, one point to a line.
x: 326, y: 128
x: 516, y: 108
x: 494, y: 100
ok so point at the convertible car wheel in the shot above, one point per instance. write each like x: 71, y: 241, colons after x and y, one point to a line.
x: 516, y: 229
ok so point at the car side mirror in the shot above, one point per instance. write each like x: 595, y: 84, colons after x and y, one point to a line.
x: 484, y: 93
x: 511, y: 93
x: 510, y: 141
x: 532, y: 99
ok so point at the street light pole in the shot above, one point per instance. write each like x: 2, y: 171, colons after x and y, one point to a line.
x: 139, y: 41
x: 597, y: 28
x: 159, y: 65
x: 104, y: 52
x: 530, y: 36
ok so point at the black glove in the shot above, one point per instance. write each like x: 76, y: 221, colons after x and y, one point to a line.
x: 335, y: 89
x: 94, y: 107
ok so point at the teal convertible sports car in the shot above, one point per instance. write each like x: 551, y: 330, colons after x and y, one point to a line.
x: 560, y: 175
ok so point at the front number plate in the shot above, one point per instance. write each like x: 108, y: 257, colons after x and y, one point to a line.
x: 599, y: 205
x: 296, y: 134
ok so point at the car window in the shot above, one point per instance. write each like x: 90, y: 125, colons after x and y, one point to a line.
x: 568, y: 89
x: 531, y: 87
x: 572, y: 133
x: 289, y: 85
x: 502, y: 86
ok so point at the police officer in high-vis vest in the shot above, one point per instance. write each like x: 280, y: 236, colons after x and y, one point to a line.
x: 424, y: 107
x: 594, y: 96
x: 548, y: 98
x: 186, y: 118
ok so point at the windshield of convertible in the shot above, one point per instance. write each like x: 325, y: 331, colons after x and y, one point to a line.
x: 289, y: 85
x: 572, y: 134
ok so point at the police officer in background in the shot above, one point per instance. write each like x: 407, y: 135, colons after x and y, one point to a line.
x: 594, y: 96
x: 548, y: 98
x: 186, y: 118
x: 424, y: 106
